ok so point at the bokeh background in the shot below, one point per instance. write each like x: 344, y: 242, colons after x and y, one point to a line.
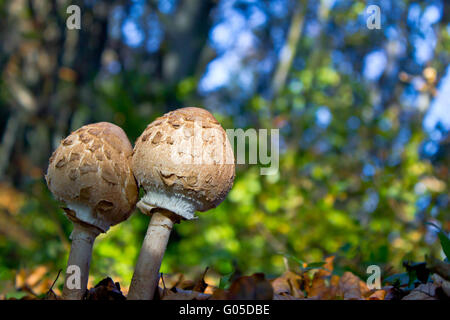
x: 364, y: 119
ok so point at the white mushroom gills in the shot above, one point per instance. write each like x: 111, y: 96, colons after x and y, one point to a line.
x: 90, y: 171
x: 174, y: 190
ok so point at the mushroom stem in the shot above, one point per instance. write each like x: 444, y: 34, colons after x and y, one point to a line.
x: 77, y: 272
x: 146, y: 274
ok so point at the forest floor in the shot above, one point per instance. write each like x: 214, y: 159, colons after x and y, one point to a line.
x: 428, y: 280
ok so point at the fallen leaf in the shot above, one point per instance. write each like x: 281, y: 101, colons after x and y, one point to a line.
x: 289, y: 283
x: 201, y: 285
x: 393, y: 293
x: 317, y: 287
x: 440, y: 267
x: 219, y: 294
x: 21, y: 276
x: 422, y: 292
x: 186, y: 285
x: 284, y: 296
x: 105, y: 290
x: 442, y: 283
x: 254, y: 287
x: 179, y: 294
x: 210, y: 290
x: 328, y: 267
x: 365, y: 291
x: 171, y: 280
x: 349, y: 287
x: 51, y: 295
x: 35, y: 276
x: 377, y: 295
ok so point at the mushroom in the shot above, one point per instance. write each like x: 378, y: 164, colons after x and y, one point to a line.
x: 90, y: 171
x: 185, y: 163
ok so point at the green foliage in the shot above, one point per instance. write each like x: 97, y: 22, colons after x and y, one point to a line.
x: 445, y: 243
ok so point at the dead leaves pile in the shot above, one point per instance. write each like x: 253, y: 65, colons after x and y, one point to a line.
x: 30, y: 285
x: 431, y: 281
x: 323, y: 285
x: 310, y: 284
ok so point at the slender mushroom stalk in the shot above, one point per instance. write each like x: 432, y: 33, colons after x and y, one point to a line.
x: 185, y: 163
x: 83, y: 238
x: 90, y: 171
x: 146, y: 274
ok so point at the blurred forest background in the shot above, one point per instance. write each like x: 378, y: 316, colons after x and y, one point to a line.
x: 364, y: 119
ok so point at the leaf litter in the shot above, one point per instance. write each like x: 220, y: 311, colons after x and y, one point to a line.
x: 317, y: 281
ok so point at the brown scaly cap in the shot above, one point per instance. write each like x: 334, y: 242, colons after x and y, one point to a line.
x: 184, y: 162
x: 90, y: 171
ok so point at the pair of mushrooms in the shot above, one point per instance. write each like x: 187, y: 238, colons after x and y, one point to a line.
x: 184, y: 162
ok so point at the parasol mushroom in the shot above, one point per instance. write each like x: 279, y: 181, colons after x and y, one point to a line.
x: 90, y: 171
x: 185, y: 163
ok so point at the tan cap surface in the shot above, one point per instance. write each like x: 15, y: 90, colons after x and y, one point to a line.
x: 90, y: 171
x: 184, y: 162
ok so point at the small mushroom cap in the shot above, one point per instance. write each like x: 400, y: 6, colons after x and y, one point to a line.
x: 184, y: 162
x: 90, y: 171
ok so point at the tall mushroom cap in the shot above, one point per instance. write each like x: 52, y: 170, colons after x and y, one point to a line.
x: 184, y: 162
x: 90, y: 171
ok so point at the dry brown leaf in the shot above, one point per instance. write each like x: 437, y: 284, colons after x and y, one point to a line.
x: 171, y: 280
x: 422, y: 292
x: 219, y: 294
x: 418, y: 295
x: 161, y: 293
x: 43, y: 286
x: 51, y: 295
x: 106, y: 289
x: 328, y: 266
x: 334, y: 282
x: 179, y: 294
x: 21, y: 277
x: 317, y: 287
x: 284, y: 296
x: 440, y: 267
x: 201, y: 285
x: 254, y: 287
x: 364, y: 290
x: 210, y: 290
x: 28, y: 297
x: 289, y: 283
x: 34, y: 282
x: 441, y: 282
x: 377, y: 295
x: 186, y: 285
x: 35, y: 276
x: 349, y: 287
x: 280, y: 285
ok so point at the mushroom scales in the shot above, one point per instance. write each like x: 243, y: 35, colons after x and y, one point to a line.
x: 90, y: 171
x: 185, y: 163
